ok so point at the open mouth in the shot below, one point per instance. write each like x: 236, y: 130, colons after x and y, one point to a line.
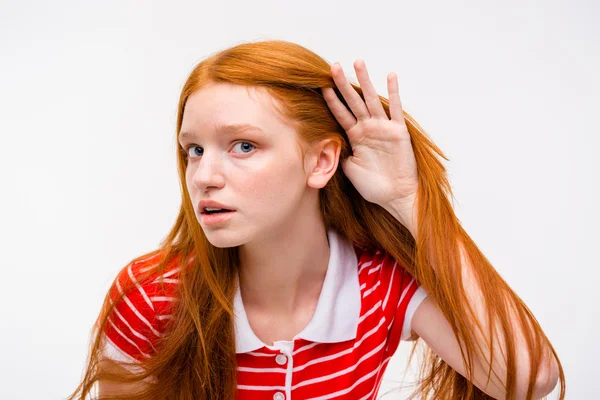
x: 222, y: 211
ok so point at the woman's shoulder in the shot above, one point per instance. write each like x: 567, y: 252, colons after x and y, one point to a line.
x: 147, y: 284
x: 143, y: 293
x: 149, y: 269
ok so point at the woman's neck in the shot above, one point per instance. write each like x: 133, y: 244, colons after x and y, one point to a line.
x: 286, y: 273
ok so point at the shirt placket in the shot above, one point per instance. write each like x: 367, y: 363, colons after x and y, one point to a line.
x: 285, y: 357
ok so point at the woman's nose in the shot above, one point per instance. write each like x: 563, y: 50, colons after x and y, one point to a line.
x: 209, y: 171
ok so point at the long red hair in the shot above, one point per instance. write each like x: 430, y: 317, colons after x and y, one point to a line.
x: 196, y: 358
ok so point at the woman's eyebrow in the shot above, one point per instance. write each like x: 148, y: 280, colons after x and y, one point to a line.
x: 227, y: 129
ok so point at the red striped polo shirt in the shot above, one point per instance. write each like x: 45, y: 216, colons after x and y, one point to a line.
x: 364, y: 309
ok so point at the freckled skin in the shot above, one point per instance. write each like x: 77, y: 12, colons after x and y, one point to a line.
x: 265, y: 183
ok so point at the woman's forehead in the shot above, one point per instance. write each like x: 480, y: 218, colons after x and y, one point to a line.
x: 224, y: 103
x: 226, y: 107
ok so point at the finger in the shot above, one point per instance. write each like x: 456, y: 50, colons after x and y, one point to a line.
x: 355, y: 102
x: 369, y: 92
x: 396, y: 112
x: 339, y: 110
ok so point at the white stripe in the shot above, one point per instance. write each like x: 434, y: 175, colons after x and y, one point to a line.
x: 137, y: 285
x: 136, y: 312
x: 162, y: 298
x: 248, y: 387
x: 364, y: 265
x: 400, y: 301
x: 406, y: 290
x: 304, y: 348
x: 168, y: 280
x: 163, y: 317
x: 171, y: 272
x: 389, y: 287
x: 146, y: 269
x: 261, y: 370
x: 255, y: 354
x: 368, y: 292
x: 311, y: 345
x: 150, y: 257
x: 343, y: 352
x: 347, y: 390
x: 342, y: 372
x: 126, y: 338
x: 374, y: 269
x: 371, y: 311
x: 136, y: 333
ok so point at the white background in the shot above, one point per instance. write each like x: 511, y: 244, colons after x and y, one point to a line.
x: 88, y: 100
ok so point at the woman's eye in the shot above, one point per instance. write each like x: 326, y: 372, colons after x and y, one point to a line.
x: 248, y: 146
x: 196, y: 151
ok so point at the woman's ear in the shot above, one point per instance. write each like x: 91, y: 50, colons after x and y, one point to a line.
x: 321, y: 163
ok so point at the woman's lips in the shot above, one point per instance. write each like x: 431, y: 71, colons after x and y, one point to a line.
x: 216, y: 218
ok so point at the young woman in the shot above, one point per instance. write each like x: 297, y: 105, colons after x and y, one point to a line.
x: 315, y: 232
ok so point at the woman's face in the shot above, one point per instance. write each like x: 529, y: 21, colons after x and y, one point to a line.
x: 258, y: 172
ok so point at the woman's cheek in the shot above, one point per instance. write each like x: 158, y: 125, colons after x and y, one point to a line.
x: 189, y: 177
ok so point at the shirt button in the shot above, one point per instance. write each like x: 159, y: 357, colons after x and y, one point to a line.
x: 279, y: 396
x: 281, y: 359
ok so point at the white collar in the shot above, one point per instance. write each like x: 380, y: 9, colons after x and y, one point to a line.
x: 338, y: 308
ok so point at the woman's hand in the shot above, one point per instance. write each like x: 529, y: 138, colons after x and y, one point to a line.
x: 383, y: 167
